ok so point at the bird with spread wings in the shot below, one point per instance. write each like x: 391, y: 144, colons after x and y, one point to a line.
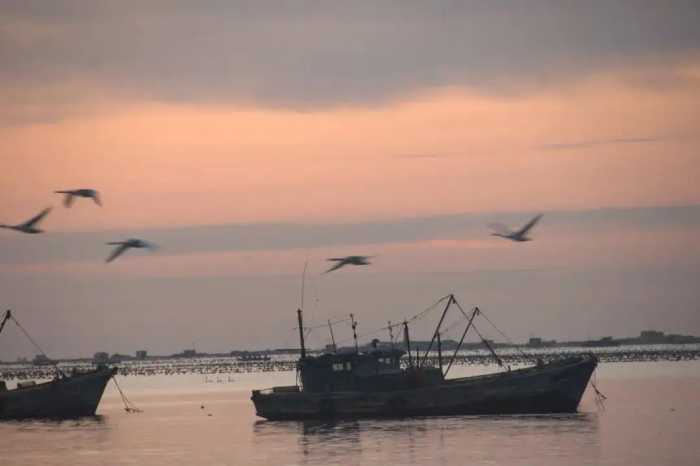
x: 348, y: 260
x: 519, y: 235
x: 86, y: 193
x: 123, y: 246
x: 30, y: 225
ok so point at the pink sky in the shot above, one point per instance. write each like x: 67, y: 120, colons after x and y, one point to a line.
x: 444, y: 151
x: 347, y: 114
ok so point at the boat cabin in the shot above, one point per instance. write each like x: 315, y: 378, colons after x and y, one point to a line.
x: 377, y: 370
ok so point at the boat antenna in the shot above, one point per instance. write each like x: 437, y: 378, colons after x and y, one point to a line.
x: 330, y: 329
x: 301, y: 333
x: 391, y: 334
x: 407, y: 341
x: 353, y: 322
x: 303, y: 280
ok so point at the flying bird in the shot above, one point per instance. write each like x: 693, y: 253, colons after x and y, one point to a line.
x: 349, y: 260
x: 122, y: 246
x: 87, y: 193
x: 30, y: 225
x: 520, y: 235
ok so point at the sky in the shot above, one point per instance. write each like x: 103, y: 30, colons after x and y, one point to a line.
x: 246, y: 139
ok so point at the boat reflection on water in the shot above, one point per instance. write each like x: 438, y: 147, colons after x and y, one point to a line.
x: 436, y: 440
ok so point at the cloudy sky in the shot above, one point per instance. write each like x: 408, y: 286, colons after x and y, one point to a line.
x: 246, y: 137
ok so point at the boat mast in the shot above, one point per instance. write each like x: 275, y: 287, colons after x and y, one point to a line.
x: 407, y: 340
x: 330, y: 329
x: 8, y: 316
x: 391, y: 334
x: 301, y: 333
x: 354, y: 332
x: 437, y: 329
x: 461, y: 340
x: 439, y: 349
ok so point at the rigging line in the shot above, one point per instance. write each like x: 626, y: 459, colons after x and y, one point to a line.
x: 449, y: 328
x: 488, y: 345
x: 313, y: 327
x: 517, y: 347
x: 36, y: 345
x: 422, y: 314
x: 416, y: 317
x: 364, y: 335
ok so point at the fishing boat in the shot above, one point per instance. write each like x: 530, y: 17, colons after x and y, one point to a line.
x: 382, y: 383
x: 66, y: 396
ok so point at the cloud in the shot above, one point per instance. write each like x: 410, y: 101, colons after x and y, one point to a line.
x: 422, y: 156
x: 599, y: 142
x: 315, y: 54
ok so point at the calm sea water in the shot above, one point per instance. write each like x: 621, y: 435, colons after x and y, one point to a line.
x: 652, y: 417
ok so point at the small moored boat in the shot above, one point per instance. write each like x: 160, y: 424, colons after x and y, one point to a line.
x: 65, y: 397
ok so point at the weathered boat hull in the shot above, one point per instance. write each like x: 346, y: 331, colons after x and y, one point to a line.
x: 556, y: 387
x: 64, y: 398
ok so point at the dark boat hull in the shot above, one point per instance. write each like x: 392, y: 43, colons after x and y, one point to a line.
x: 64, y: 398
x: 556, y: 387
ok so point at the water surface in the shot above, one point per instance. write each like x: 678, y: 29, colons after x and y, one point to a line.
x: 652, y: 417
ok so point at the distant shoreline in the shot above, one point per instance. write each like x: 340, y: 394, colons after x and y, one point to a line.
x: 227, y: 364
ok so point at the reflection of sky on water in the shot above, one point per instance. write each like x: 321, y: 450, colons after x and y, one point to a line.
x: 650, y: 419
x: 439, y: 440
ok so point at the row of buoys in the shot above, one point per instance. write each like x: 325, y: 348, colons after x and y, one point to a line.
x: 206, y: 366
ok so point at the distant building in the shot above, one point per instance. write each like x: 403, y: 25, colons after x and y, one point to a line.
x: 41, y: 360
x: 116, y: 358
x: 100, y: 357
x: 141, y: 354
x: 189, y: 353
x: 605, y: 341
x: 651, y: 336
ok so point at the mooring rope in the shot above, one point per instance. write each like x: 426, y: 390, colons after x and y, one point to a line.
x: 599, y: 396
x: 129, y: 407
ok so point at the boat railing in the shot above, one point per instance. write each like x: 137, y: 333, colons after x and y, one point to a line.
x: 282, y: 389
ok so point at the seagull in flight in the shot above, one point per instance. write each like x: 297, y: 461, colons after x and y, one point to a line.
x: 122, y: 246
x: 30, y: 225
x: 520, y: 235
x: 349, y: 260
x: 87, y: 193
